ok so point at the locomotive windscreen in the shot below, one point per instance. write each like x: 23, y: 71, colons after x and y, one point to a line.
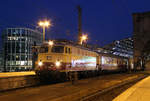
x: 43, y: 49
x: 58, y: 49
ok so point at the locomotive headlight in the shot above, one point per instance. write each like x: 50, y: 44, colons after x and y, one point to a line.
x: 57, y: 63
x: 40, y: 63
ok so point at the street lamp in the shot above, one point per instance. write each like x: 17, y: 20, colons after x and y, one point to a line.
x: 51, y: 43
x: 83, y: 38
x: 44, y: 24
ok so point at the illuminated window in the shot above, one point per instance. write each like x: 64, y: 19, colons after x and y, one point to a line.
x: 22, y: 62
x: 18, y: 63
x: 30, y: 63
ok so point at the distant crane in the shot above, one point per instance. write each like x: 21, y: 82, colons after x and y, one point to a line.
x: 79, y: 23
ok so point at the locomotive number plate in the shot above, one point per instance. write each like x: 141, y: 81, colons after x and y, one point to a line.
x: 49, y: 57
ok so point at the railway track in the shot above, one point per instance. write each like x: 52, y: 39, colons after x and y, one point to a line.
x: 110, y: 93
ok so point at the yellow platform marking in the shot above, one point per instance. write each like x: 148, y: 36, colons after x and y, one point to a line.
x: 10, y: 74
x: 128, y: 93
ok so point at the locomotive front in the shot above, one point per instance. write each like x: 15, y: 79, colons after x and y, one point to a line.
x: 50, y: 58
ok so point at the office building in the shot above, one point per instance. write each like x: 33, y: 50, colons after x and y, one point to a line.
x: 122, y: 47
x: 17, y: 48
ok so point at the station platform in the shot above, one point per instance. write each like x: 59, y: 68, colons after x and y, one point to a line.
x: 14, y: 74
x: 66, y: 91
x: 138, y: 92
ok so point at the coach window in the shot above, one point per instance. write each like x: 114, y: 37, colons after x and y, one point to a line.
x: 69, y: 50
x: 66, y: 50
x: 117, y: 61
x: 78, y: 51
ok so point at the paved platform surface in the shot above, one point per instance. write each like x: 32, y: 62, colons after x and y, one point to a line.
x: 66, y: 91
x: 138, y: 92
x: 12, y: 74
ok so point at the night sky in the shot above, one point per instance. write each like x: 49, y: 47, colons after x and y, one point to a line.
x: 103, y: 20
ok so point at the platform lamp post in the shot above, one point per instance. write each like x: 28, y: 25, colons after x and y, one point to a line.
x: 44, y: 24
x: 83, y: 38
x: 51, y: 43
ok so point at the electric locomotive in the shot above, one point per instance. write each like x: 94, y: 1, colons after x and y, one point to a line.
x: 64, y: 58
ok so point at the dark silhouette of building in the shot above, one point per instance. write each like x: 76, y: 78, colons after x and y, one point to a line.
x: 1, y: 61
x: 141, y: 37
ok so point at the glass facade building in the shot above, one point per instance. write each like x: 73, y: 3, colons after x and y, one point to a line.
x: 122, y: 47
x: 17, y: 48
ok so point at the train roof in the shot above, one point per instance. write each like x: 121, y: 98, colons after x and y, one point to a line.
x: 68, y: 44
x: 82, y: 47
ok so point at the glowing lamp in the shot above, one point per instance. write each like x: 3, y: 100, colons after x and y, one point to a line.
x: 57, y: 63
x: 51, y: 43
x: 40, y: 63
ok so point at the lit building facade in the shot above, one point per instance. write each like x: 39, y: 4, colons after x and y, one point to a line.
x: 17, y: 48
x: 121, y: 47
